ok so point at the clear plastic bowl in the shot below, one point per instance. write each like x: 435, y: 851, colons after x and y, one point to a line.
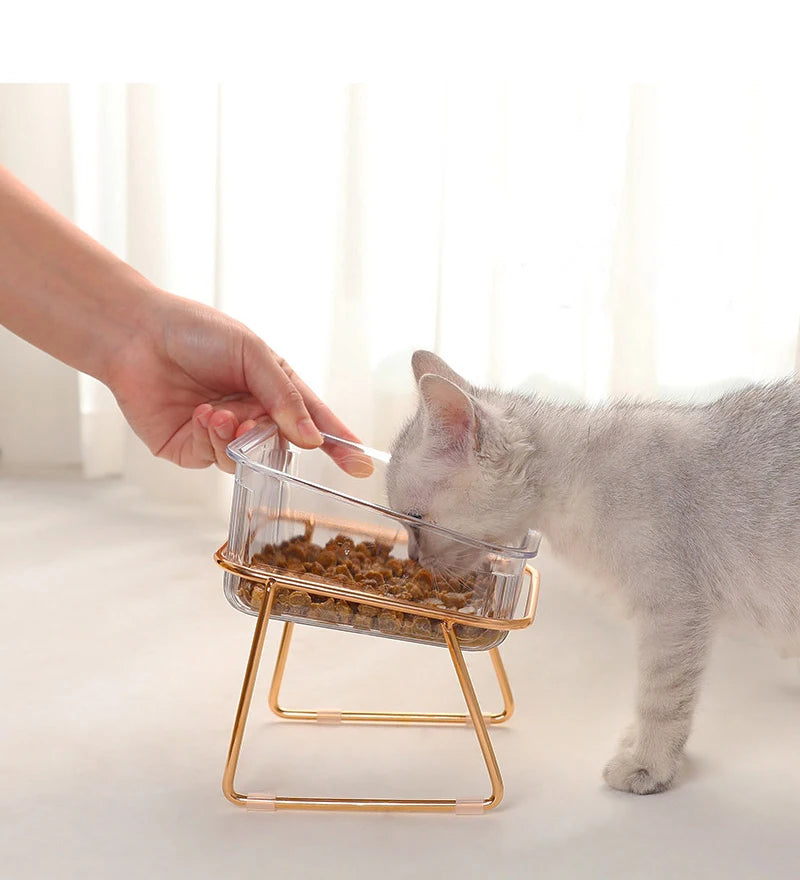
x: 294, y: 510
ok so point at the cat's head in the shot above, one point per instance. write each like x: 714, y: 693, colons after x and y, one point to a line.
x: 452, y: 464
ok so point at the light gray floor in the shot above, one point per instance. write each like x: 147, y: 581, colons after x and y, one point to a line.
x: 120, y: 666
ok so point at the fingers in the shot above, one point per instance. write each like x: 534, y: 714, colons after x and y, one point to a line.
x: 211, y: 432
x: 322, y: 414
x: 270, y: 379
x: 221, y: 430
x: 201, y: 450
x: 245, y: 427
x: 352, y: 461
x: 298, y: 412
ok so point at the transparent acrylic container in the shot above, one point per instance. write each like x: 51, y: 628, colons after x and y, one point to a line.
x: 340, y: 555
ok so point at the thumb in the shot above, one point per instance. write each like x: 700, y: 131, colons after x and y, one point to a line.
x: 269, y: 379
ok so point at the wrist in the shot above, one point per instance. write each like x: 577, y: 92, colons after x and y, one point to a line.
x: 133, y: 329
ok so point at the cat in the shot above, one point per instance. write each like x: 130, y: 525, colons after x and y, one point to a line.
x: 690, y: 512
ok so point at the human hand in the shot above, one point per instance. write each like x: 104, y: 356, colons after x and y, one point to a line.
x: 195, y: 378
x: 187, y: 377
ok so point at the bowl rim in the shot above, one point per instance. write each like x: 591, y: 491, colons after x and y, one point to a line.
x: 239, y: 449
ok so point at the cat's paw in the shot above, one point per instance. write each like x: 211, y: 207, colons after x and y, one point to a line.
x: 628, y: 772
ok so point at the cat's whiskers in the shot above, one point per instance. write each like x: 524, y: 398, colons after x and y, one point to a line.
x: 451, y: 577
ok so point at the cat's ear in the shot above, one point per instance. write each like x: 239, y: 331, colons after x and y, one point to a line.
x: 449, y: 415
x: 423, y: 362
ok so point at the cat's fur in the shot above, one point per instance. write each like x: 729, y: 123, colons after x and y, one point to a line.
x: 691, y: 512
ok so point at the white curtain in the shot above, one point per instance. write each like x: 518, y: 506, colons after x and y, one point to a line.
x: 581, y: 243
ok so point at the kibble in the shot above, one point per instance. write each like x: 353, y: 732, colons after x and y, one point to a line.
x: 369, y: 567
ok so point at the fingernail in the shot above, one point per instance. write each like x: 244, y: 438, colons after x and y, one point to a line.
x: 204, y: 417
x: 224, y: 431
x: 308, y: 431
x: 358, y: 465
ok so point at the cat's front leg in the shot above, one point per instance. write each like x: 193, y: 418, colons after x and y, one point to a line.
x: 672, y: 652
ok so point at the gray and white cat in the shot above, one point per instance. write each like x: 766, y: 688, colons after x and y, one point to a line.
x: 691, y: 512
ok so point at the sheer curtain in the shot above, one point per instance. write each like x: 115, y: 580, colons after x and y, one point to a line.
x: 579, y: 243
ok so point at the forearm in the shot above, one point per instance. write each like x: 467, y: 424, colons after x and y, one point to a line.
x: 61, y: 290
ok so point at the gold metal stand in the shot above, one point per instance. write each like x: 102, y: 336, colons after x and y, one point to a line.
x: 264, y: 802
x: 382, y: 717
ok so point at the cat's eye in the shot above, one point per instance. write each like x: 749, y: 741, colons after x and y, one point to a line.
x: 414, y: 514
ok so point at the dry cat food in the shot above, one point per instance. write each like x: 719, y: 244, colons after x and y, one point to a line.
x: 370, y: 567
